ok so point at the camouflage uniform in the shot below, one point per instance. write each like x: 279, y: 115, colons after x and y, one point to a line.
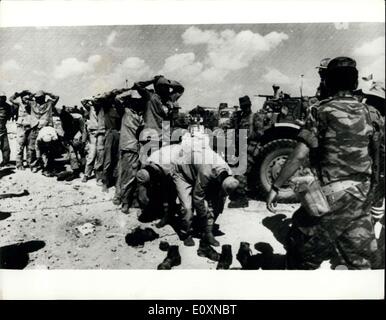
x: 337, y: 131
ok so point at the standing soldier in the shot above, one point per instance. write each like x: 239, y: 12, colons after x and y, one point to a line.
x: 6, y: 112
x: 96, y: 139
x: 130, y: 106
x: 41, y: 116
x: 322, y: 92
x: 111, y: 146
x: 338, y: 135
x: 159, y: 104
x: 246, y: 120
x: 23, y: 125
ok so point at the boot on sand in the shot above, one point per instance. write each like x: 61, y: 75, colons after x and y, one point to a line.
x: 205, y: 250
x: 172, y: 259
x: 244, y: 254
x: 208, y: 236
x: 225, y: 258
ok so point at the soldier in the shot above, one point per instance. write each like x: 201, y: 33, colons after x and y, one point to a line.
x: 96, y: 139
x: 159, y: 104
x: 156, y: 189
x: 23, y: 125
x: 74, y: 140
x: 113, y: 121
x: 322, y: 92
x: 41, y: 116
x: 47, y: 144
x: 6, y: 112
x: 130, y: 106
x: 202, y: 185
x: 245, y: 119
x: 338, y: 136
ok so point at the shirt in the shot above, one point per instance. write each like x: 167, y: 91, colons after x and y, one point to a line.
x: 132, y: 123
x: 41, y: 114
x: 338, y: 132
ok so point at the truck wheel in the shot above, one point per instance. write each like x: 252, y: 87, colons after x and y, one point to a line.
x: 272, y: 157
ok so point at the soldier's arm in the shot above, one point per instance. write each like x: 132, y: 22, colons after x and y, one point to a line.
x: 13, y: 98
x: 54, y: 98
x: 141, y: 88
x: 177, y: 90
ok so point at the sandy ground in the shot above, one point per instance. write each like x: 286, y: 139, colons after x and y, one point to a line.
x: 45, y: 218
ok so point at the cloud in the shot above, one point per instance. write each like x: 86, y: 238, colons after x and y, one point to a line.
x: 111, y: 38
x: 10, y: 66
x: 341, y: 25
x: 182, y: 66
x: 229, y: 50
x: 72, y: 67
x: 274, y: 76
x: 372, y: 48
x: 131, y: 69
x: 18, y: 46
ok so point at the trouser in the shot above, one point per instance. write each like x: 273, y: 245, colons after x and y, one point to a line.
x: 4, y: 146
x: 75, y: 155
x: 31, y: 154
x: 46, y: 152
x: 346, y: 229
x: 111, y: 156
x: 23, y: 136
x: 95, y: 154
x: 184, y: 194
x: 127, y: 169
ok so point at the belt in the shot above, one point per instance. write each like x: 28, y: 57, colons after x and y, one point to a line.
x: 337, y: 186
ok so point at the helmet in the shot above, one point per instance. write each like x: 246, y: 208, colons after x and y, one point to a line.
x: 341, y: 62
x: 244, y: 100
x: 230, y: 184
x: 323, y: 63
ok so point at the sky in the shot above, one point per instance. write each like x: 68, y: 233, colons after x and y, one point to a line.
x: 215, y: 63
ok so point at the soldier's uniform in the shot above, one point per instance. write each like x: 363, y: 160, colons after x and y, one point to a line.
x: 253, y: 123
x: 23, y: 128
x: 6, y: 111
x: 337, y: 131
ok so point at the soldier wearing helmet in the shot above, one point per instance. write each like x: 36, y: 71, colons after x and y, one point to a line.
x: 321, y: 92
x: 337, y: 137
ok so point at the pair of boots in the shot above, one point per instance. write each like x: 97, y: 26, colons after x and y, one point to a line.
x: 224, y: 259
x: 173, y: 258
x: 206, y: 236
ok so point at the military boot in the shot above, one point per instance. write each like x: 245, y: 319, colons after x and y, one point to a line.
x: 225, y: 257
x: 165, y: 219
x: 208, y: 236
x: 205, y: 250
x: 172, y: 259
x: 244, y: 254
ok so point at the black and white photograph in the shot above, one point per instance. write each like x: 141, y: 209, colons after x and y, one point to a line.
x: 224, y: 146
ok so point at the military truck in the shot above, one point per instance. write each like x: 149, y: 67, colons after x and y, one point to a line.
x: 282, y: 117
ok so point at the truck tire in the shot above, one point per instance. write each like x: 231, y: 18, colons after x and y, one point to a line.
x: 272, y: 157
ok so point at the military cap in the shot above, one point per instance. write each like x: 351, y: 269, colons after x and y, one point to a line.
x: 244, y: 100
x: 223, y: 105
x: 341, y: 62
x: 323, y: 63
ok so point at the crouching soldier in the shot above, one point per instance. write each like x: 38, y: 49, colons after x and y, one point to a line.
x: 74, y: 138
x: 203, y: 180
x: 156, y: 189
x: 47, y: 143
